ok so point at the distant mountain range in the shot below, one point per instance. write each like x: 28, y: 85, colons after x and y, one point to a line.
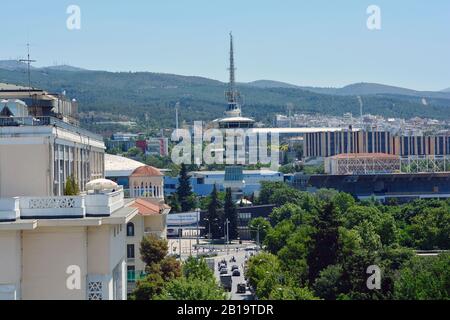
x: 357, y: 89
x: 14, y: 65
x: 132, y: 95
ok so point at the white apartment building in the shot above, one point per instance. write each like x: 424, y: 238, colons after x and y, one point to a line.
x: 54, y: 246
x: 38, y: 155
x: 41, y: 148
x: 70, y: 247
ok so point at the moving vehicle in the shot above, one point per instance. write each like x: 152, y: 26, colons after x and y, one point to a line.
x: 223, y: 271
x: 227, y: 282
x: 234, y: 267
x: 236, y: 273
x: 241, y: 288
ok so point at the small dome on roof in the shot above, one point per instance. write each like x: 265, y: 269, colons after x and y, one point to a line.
x: 101, y: 184
x: 146, y: 171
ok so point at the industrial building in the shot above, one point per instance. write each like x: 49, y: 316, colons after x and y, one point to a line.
x: 362, y: 163
x: 330, y: 143
x: 402, y: 187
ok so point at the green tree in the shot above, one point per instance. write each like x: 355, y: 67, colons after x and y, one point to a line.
x: 293, y: 255
x: 197, y: 268
x: 431, y: 229
x: 230, y: 213
x: 260, y: 224
x: 153, y: 249
x: 263, y: 273
x: 326, y: 241
x: 276, y: 237
x: 266, y: 190
x: 326, y: 285
x: 149, y: 287
x: 291, y: 293
x: 168, y: 268
x: 214, y: 217
x: 191, y: 289
x: 424, y: 278
x: 184, y: 191
x: 71, y: 188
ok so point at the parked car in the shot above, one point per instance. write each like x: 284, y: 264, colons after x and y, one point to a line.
x: 236, y: 273
x: 226, y: 282
x: 224, y: 271
x: 241, y: 288
x: 234, y: 267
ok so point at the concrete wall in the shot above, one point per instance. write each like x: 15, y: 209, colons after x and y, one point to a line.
x: 25, y: 170
x: 10, y: 265
x: 138, y: 222
x: 47, y: 253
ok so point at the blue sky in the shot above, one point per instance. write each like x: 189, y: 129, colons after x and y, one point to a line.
x: 316, y: 42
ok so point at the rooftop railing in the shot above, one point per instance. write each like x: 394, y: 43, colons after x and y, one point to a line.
x: 64, y: 207
x: 45, y: 121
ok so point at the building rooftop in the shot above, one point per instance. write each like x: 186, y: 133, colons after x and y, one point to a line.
x: 222, y: 172
x: 145, y: 171
x: 117, y: 166
x: 299, y: 130
x: 13, y: 87
x: 148, y: 208
x: 365, y: 156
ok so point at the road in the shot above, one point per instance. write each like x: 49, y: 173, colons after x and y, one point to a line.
x: 240, y: 259
x: 188, y: 247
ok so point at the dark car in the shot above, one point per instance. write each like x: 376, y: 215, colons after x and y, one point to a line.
x: 241, y: 288
x: 223, y: 271
x: 234, y: 267
x: 236, y: 273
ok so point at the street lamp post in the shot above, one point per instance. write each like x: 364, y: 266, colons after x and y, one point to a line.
x: 257, y: 235
x: 180, y: 233
x: 226, y: 235
x: 198, y: 230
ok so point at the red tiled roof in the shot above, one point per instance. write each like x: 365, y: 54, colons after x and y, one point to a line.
x: 146, y: 171
x: 147, y: 208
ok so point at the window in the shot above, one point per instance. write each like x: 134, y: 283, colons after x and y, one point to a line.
x: 130, y: 229
x: 131, y: 273
x: 130, y: 251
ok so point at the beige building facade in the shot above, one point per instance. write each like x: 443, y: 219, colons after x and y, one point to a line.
x: 58, y: 248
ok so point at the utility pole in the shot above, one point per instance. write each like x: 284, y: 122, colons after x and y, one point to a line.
x: 257, y: 235
x: 198, y: 230
x: 226, y: 235
x: 180, y: 232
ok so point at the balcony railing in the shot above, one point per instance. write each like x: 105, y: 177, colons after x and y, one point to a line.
x: 45, y: 121
x: 85, y: 205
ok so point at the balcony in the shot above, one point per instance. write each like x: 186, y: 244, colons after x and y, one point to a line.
x: 52, y: 207
x: 101, y: 204
x: 67, y: 207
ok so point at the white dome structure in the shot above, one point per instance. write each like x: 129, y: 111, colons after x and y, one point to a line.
x: 101, y: 184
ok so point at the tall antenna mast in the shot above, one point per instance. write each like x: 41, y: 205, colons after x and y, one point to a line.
x: 28, y: 61
x: 232, y: 95
x: 232, y: 68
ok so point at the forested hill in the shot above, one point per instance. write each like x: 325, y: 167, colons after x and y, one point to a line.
x: 132, y: 95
